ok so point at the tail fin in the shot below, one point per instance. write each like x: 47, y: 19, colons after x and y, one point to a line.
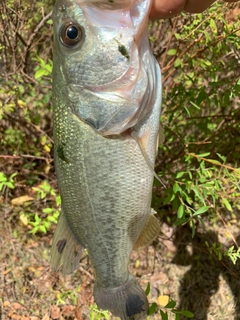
x: 128, y: 301
x: 66, y: 250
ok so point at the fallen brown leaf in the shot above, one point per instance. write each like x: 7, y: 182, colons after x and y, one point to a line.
x: 16, y: 306
x: 68, y: 310
x: 20, y: 200
x: 46, y: 317
x: 55, y: 312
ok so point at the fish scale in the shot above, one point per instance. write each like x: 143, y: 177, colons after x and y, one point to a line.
x: 105, y: 179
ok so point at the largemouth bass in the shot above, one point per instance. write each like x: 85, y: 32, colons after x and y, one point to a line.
x: 106, y: 110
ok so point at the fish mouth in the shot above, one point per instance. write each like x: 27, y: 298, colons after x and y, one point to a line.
x: 108, y: 4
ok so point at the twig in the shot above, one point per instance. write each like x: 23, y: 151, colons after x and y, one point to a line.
x: 37, y: 28
x: 225, y: 225
x: 212, y: 161
x: 24, y: 156
x: 31, y: 38
x: 86, y: 272
x: 34, y: 157
x: 169, y: 41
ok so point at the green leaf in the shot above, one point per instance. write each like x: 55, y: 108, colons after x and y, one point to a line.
x: 34, y: 230
x: 193, y: 230
x: 48, y: 210
x: 58, y: 200
x: 37, y: 219
x: 179, y: 222
x: 40, y: 73
x: 213, y: 25
x: 147, y: 291
x: 152, y: 309
x: 12, y: 176
x: 172, y: 52
x: 222, y: 157
x: 187, y: 110
x: 197, y: 192
x: 178, y: 63
x: 176, y: 188
x: 227, y: 204
x: 177, y: 36
x: 164, y: 315
x: 203, y: 155
x: 195, y: 105
x: 215, y: 161
x: 187, y: 314
x: 42, y: 229
x: 180, y: 174
x: 171, y: 304
x: 3, y: 177
x: 9, y: 185
x: 201, y: 210
x: 177, y: 316
x: 52, y: 219
x: 180, y: 211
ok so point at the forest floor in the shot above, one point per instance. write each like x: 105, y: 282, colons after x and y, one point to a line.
x: 177, y: 266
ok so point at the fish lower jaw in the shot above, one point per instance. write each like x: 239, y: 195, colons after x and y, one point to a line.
x: 125, y: 301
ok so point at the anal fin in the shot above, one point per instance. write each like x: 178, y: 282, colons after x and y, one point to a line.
x: 66, y: 250
x: 149, y: 233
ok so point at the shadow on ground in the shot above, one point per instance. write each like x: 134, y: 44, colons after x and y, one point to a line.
x: 201, y: 281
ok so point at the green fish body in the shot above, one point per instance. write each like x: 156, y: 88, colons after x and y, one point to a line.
x: 106, y: 109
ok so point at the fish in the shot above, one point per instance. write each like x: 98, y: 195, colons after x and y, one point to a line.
x: 107, y: 96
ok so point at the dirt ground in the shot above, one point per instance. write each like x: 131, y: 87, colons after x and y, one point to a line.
x: 176, y: 265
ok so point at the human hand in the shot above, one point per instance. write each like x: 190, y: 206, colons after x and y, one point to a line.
x: 169, y: 8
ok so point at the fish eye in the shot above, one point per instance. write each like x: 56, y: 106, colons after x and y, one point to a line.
x: 71, y: 33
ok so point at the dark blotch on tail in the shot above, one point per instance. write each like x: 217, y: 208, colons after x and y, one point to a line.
x: 127, y: 301
x: 134, y: 305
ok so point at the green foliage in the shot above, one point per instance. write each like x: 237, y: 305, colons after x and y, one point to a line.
x: 44, y: 189
x: 43, y: 224
x: 25, y: 103
x: 43, y: 69
x: 201, y: 187
x: 68, y: 296
x: 7, y: 182
x: 169, y: 309
x: 199, y: 161
x: 96, y: 314
x: 218, y: 250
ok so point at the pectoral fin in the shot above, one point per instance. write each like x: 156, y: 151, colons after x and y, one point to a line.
x: 145, y: 156
x: 149, y: 232
x: 66, y: 250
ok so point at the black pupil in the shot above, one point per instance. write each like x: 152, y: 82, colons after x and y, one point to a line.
x: 72, y: 32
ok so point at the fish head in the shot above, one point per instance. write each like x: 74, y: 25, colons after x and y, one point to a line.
x: 101, y: 61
